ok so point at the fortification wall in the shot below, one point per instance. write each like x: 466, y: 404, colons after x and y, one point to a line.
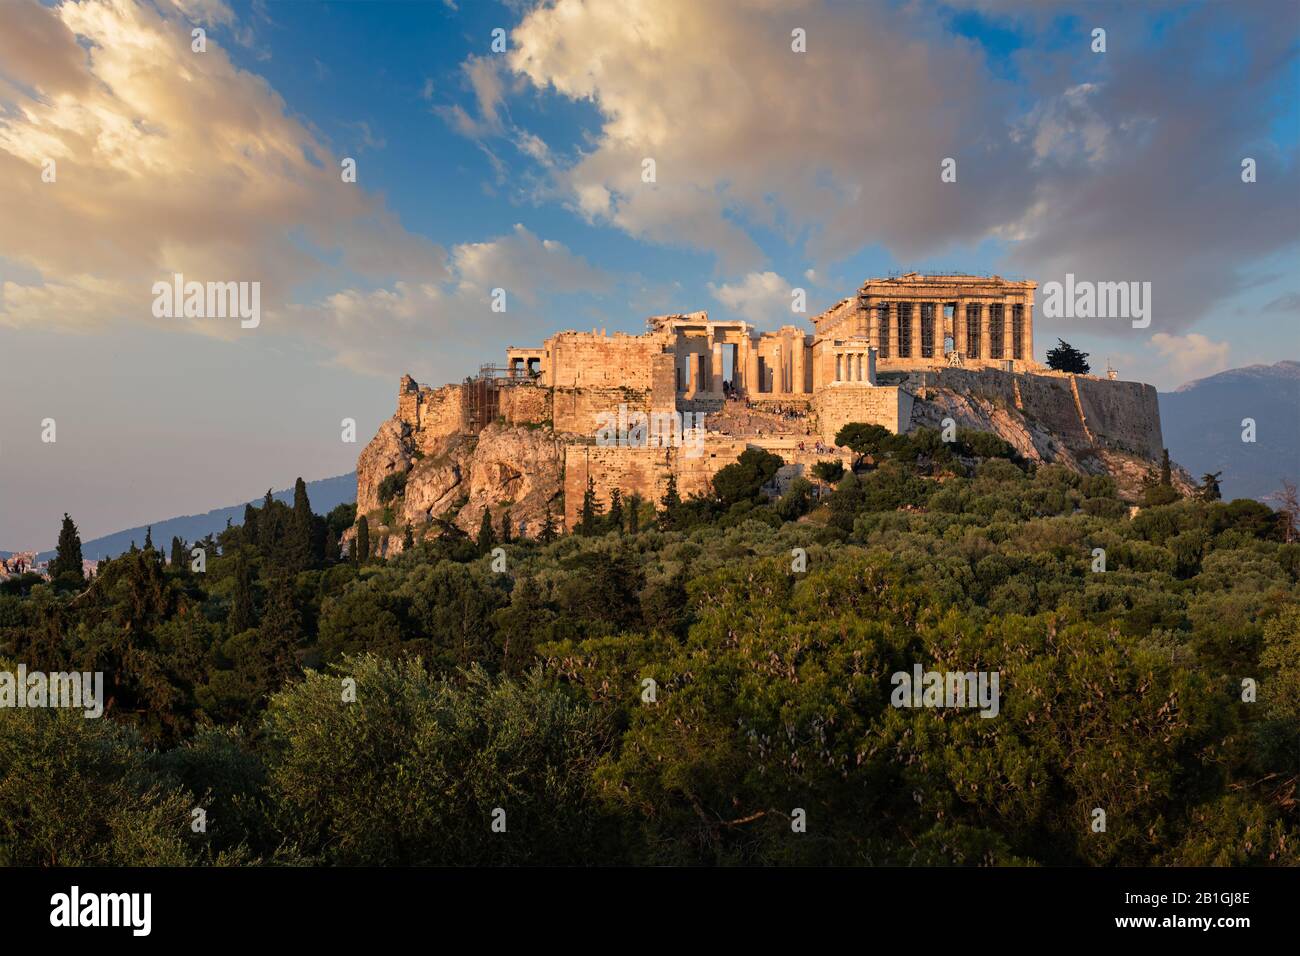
x: 1079, y: 408
x: 528, y: 404
x: 432, y: 414
x: 642, y: 471
x: 1126, y: 413
x: 587, y: 360
x: 836, y: 406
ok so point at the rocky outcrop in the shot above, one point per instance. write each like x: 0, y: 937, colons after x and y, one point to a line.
x: 451, y: 476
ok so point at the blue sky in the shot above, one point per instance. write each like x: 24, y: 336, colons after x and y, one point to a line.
x: 521, y: 170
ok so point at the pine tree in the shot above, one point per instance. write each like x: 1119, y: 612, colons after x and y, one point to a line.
x: 361, y: 546
x: 408, y: 538
x: 242, y: 615
x: 1066, y: 358
x: 506, y: 534
x: 1166, y: 476
x: 178, y: 553
x: 547, y: 534
x: 148, y: 538
x: 487, y: 538
x: 1209, y: 490
x: 67, y: 560
x: 331, y: 546
x: 616, y: 510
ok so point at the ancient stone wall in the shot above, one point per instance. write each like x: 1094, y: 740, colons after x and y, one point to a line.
x: 642, y: 471
x: 1126, y: 413
x: 587, y: 360
x: 525, y: 404
x: 1078, y: 408
x: 432, y: 415
x: 888, y: 406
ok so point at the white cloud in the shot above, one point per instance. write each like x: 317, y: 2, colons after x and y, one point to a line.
x: 1190, y: 356
x: 761, y: 297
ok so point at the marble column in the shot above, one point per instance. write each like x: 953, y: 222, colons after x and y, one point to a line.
x: 752, y: 384
x: 715, y: 367
x: 798, y: 367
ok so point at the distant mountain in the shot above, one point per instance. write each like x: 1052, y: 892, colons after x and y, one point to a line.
x: 324, y: 495
x: 1202, y: 427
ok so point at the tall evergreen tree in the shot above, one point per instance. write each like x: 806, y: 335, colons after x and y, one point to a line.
x: 67, y: 559
x: 507, y: 533
x: 250, y: 524
x: 408, y: 538
x: 548, y: 533
x: 178, y: 553
x: 331, y: 546
x: 616, y: 510
x: 672, y: 503
x: 487, y: 538
x: 1209, y: 490
x: 361, y: 545
x: 590, y: 509
x: 242, y: 614
x: 148, y: 538
x: 1166, y: 473
x: 299, y: 552
x: 634, y: 503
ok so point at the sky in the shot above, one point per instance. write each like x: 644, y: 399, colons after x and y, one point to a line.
x: 504, y: 146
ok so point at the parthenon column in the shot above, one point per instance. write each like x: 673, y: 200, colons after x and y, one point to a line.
x: 1028, y: 337
x: 778, y: 370
x: 1008, y: 332
x: 985, y: 350
x: 715, y: 367
x: 959, y: 327
x: 916, y: 330
x: 798, y: 367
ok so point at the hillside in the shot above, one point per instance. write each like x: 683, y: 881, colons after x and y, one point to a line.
x: 1202, y: 427
x: 325, y: 493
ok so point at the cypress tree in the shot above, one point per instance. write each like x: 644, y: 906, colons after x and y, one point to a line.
x: 67, y: 560
x: 487, y: 538
x: 178, y: 553
x: 634, y: 514
x: 148, y: 538
x: 672, y: 502
x: 590, y: 509
x: 547, y: 534
x: 505, y: 527
x: 299, y: 556
x: 361, y: 546
x: 250, y: 524
x: 1166, y: 476
x: 408, y: 538
x: 331, y: 546
x: 242, y: 615
x: 616, y: 510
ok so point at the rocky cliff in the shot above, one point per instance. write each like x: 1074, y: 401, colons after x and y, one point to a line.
x: 451, y: 453
x: 447, y: 471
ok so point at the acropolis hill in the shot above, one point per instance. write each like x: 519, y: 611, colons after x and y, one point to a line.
x: 902, y: 352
